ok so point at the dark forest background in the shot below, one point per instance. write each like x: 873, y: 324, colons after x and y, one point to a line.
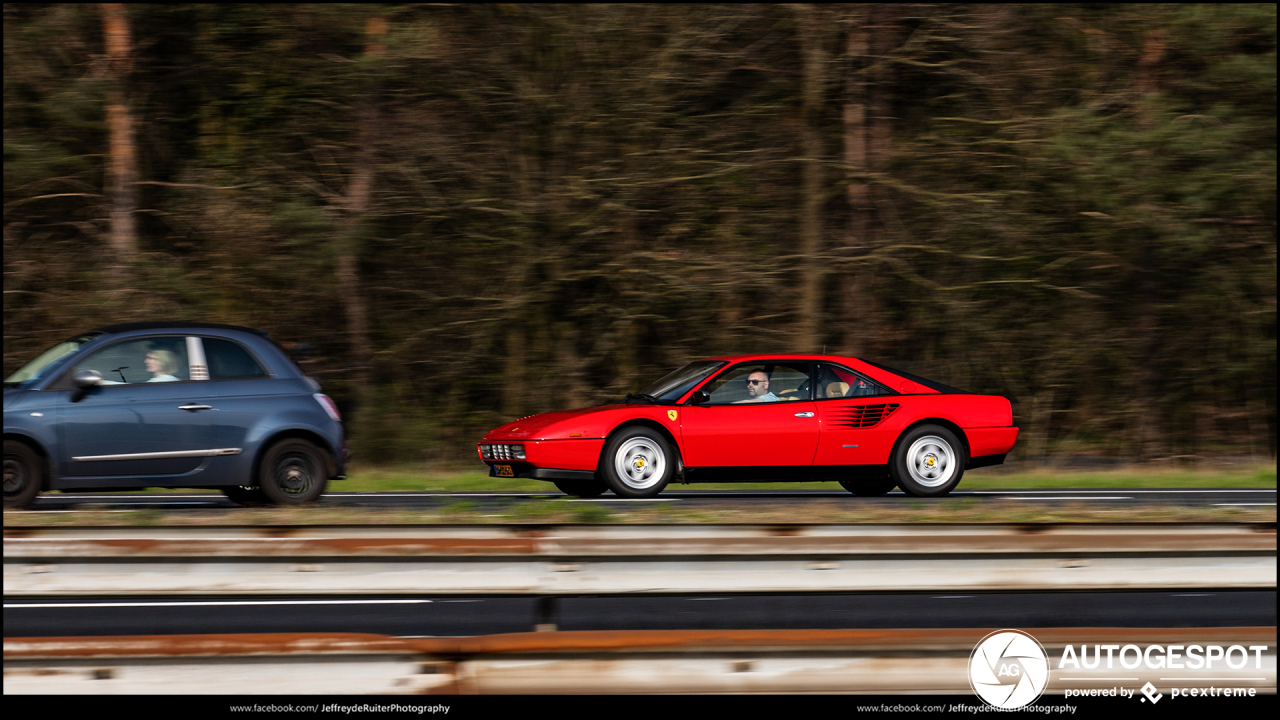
x: 472, y: 213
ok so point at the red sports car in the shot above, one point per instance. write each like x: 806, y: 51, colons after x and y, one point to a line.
x: 763, y: 418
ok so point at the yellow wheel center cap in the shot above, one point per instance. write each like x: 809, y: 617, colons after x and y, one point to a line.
x: 929, y: 462
x: 640, y: 462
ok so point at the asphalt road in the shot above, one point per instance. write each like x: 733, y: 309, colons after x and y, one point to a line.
x: 453, y: 616
x: 1121, y: 498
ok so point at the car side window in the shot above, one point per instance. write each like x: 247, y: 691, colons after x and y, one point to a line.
x: 760, y: 382
x: 835, y: 381
x: 227, y: 360
x: 142, y: 360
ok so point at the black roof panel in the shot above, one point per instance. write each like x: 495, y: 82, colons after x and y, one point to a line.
x: 171, y: 324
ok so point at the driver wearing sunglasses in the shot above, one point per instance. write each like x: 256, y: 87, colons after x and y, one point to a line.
x: 758, y: 388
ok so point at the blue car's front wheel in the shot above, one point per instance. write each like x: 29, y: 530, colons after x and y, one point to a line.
x: 23, y: 474
x: 292, y: 472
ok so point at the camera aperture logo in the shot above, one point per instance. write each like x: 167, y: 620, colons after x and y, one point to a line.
x: 1008, y: 669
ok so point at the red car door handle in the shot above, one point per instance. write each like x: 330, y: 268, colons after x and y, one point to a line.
x: 804, y: 414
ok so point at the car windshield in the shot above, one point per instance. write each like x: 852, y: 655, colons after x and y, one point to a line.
x: 673, y: 385
x: 46, y: 359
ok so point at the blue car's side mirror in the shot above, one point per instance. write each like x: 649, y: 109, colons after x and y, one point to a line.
x: 85, y: 381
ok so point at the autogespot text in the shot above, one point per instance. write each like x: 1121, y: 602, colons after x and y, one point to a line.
x: 1173, y: 657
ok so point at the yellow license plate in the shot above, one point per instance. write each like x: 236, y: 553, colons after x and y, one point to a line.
x: 504, y: 471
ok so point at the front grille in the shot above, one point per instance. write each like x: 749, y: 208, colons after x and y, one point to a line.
x: 502, y: 452
x: 864, y: 416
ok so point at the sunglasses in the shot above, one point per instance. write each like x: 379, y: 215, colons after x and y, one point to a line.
x: 756, y: 382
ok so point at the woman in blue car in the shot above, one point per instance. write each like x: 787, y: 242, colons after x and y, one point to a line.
x: 161, y: 364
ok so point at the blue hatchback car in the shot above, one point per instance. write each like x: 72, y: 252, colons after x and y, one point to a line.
x: 167, y: 404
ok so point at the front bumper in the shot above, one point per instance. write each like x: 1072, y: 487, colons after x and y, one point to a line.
x: 525, y: 470
x: 556, y: 456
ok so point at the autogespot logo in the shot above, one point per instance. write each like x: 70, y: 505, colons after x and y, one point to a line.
x: 1008, y: 669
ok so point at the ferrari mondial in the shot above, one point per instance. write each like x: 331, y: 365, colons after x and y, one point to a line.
x: 754, y: 418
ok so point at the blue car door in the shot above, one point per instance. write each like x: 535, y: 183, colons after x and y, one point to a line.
x: 147, y: 424
x: 244, y: 394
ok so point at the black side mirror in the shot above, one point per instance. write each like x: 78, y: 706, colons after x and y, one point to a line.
x: 699, y: 397
x: 84, y: 381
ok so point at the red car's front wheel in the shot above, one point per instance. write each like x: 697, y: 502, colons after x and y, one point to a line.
x: 637, y: 463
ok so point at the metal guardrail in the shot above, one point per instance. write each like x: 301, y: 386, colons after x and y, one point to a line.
x: 827, y: 661
x: 561, y: 560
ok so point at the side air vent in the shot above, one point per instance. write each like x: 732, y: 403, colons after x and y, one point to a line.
x: 863, y: 416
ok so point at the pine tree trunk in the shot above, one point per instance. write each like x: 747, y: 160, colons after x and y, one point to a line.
x: 1146, y: 410
x: 359, y: 190
x: 856, y: 311
x: 812, y: 270
x: 122, y: 172
x: 883, y: 41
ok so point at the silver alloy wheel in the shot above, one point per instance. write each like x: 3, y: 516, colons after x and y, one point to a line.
x: 640, y: 463
x: 931, y: 461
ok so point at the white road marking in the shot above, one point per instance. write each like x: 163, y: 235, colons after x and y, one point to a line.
x: 79, y: 511
x: 137, y: 496
x: 1239, y: 504
x: 1007, y: 492
x: 625, y: 499
x: 425, y: 493
x: 1068, y: 497
x: 15, y: 606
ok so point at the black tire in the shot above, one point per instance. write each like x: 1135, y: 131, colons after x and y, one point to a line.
x: 928, y: 461
x: 292, y: 472
x: 23, y: 474
x: 637, y: 462
x: 869, y: 487
x: 581, y: 488
x: 246, y: 496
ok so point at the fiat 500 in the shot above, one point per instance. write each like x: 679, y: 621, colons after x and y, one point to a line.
x: 751, y: 418
x: 169, y: 405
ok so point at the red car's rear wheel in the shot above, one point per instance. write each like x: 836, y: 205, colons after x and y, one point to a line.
x: 928, y: 461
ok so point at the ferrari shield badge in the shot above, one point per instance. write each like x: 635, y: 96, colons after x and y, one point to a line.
x: 671, y: 414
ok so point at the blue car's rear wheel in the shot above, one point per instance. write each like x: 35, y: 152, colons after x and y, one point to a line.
x: 292, y: 472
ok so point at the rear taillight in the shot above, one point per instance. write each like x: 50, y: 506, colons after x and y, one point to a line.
x: 328, y: 406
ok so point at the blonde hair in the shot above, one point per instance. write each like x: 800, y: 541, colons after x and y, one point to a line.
x: 168, y: 361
